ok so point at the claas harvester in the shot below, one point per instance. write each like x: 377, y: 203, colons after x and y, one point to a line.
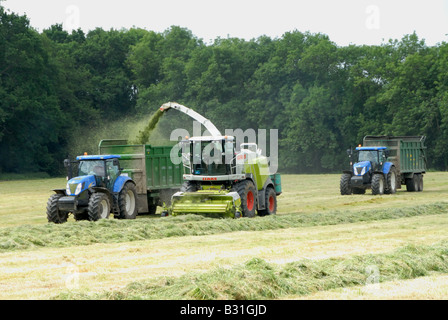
x: 219, y: 180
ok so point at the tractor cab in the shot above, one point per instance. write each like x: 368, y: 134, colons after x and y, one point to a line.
x: 369, y: 159
x: 93, y: 171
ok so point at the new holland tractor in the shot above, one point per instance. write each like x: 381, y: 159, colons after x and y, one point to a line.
x: 218, y: 181
x: 384, y: 163
x: 98, y: 190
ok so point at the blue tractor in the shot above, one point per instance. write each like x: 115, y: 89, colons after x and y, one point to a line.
x: 369, y: 168
x: 98, y: 190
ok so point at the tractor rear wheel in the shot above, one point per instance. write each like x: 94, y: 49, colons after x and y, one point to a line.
x: 99, y: 206
x: 378, y: 183
x: 391, y: 181
x: 271, y: 203
x: 247, y: 192
x: 53, y: 213
x: 127, y: 201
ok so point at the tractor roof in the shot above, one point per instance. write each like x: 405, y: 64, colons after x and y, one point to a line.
x: 370, y: 148
x: 98, y: 157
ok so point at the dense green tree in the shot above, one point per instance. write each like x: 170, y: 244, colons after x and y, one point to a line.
x: 57, y: 86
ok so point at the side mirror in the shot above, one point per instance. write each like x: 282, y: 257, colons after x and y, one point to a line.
x: 67, y: 163
x: 386, y: 153
x: 349, y: 152
x: 116, y: 162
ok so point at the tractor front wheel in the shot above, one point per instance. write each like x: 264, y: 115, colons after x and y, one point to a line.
x: 344, y: 184
x: 53, y: 213
x: 99, y: 206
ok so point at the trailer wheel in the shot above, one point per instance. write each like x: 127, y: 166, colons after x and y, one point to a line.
x: 247, y: 192
x: 53, y: 213
x: 412, y: 183
x: 99, y: 206
x: 378, y: 183
x: 271, y: 203
x: 344, y: 185
x: 391, y: 181
x: 420, y: 182
x: 127, y: 201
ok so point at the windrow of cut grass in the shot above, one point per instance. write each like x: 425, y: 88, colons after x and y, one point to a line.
x: 257, y: 279
x: 118, y: 231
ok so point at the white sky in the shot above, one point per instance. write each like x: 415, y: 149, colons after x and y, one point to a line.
x: 344, y: 21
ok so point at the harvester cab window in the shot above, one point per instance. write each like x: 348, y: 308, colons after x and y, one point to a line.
x: 229, y: 152
x: 197, y: 161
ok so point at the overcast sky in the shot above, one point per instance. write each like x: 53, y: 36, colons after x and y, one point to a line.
x: 344, y: 21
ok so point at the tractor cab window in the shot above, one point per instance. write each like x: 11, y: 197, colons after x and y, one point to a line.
x: 113, y: 171
x: 92, y: 167
x: 365, y: 155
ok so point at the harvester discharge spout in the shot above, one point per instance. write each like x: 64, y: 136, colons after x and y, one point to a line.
x: 193, y: 114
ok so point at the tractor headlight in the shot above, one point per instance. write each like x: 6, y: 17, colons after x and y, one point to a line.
x: 67, y: 189
x: 78, y: 189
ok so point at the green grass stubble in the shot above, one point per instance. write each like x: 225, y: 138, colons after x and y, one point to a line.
x: 257, y: 279
x: 118, y: 231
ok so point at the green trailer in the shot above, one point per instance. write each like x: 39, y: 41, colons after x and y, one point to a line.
x: 156, y: 177
x: 407, y: 153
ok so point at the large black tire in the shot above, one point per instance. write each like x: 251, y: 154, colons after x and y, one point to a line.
x: 248, y: 194
x: 271, y: 203
x: 189, y: 186
x: 412, y: 184
x: 391, y: 181
x: 99, y: 206
x: 344, y: 184
x: 378, y: 183
x: 127, y: 201
x: 53, y: 213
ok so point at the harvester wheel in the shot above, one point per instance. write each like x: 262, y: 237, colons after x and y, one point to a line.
x: 391, y: 181
x: 344, y: 184
x: 99, y: 206
x: 246, y: 190
x: 53, y: 213
x: 271, y: 203
x: 127, y: 201
x: 189, y: 186
x: 378, y: 183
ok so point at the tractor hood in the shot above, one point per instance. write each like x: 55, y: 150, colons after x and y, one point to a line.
x: 77, y: 185
x: 360, y: 168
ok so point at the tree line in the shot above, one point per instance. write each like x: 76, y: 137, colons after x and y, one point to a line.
x: 322, y: 98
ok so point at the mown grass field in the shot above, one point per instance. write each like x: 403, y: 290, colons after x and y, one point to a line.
x: 320, y: 245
